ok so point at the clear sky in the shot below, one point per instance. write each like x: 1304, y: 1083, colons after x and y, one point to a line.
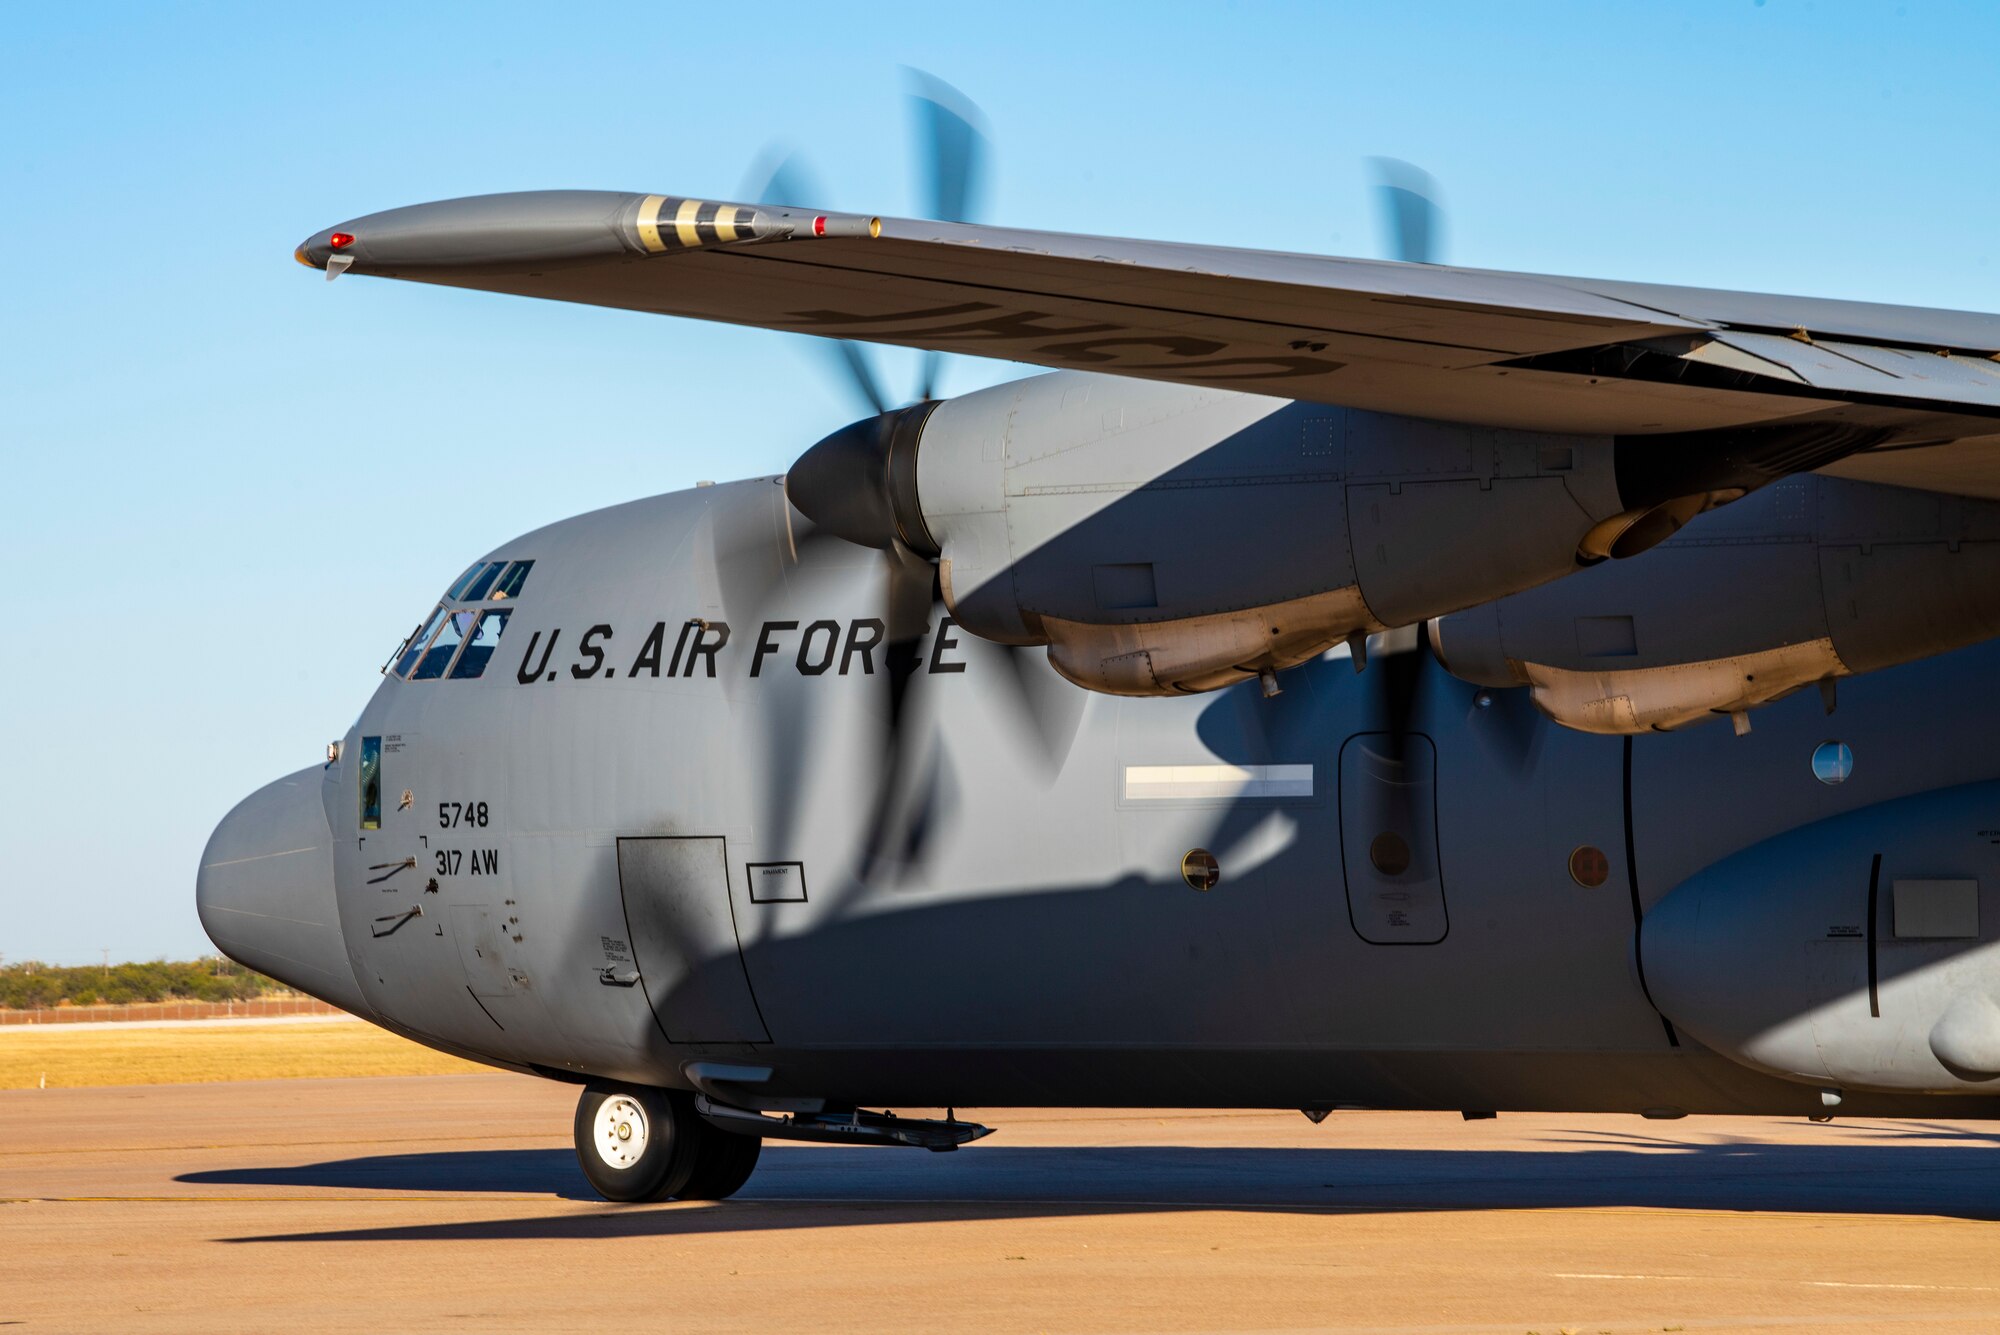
x: 230, y: 487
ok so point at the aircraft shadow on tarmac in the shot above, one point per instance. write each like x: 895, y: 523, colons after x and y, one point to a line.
x: 1899, y: 1170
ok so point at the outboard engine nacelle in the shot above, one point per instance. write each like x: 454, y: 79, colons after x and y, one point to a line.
x: 1160, y: 538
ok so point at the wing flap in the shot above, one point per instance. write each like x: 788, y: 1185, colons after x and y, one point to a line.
x: 1859, y: 371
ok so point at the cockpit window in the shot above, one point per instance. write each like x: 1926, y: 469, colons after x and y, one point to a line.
x: 438, y: 657
x: 428, y: 654
x: 414, y: 649
x: 458, y: 585
x: 479, y: 647
x: 477, y: 589
x: 510, y: 583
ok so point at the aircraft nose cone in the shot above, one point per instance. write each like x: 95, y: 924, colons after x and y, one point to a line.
x: 265, y: 891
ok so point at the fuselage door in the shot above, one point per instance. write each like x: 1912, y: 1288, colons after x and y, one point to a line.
x: 1388, y: 838
x: 683, y: 936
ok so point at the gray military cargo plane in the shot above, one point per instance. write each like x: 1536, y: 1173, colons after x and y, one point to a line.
x: 1290, y: 701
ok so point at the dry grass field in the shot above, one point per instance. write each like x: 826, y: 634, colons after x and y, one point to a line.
x: 69, y: 1056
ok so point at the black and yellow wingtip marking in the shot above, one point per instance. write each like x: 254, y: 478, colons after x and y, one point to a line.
x: 668, y: 222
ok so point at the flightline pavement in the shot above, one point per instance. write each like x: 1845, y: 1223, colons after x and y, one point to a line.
x: 405, y: 1203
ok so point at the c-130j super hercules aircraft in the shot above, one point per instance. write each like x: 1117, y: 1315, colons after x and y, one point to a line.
x: 1012, y: 750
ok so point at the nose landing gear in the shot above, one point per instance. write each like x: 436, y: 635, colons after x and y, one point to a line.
x: 639, y: 1144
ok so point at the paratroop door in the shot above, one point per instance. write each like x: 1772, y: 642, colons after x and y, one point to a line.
x: 683, y: 936
x: 1388, y: 838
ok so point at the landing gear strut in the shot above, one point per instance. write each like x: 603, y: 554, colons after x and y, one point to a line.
x: 641, y: 1144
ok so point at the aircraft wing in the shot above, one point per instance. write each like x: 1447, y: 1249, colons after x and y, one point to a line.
x: 1501, y: 349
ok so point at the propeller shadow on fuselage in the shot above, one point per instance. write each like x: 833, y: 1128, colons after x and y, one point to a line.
x: 1892, y: 1173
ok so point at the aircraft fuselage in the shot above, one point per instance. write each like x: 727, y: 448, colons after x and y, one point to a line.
x: 665, y: 824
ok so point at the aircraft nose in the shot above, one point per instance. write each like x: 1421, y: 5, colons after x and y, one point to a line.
x: 265, y: 891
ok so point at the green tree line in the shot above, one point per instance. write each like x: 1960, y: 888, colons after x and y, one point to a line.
x: 30, y: 986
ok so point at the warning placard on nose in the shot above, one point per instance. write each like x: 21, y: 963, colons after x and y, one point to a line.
x: 777, y: 882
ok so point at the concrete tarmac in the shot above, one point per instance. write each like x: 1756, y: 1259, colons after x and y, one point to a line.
x: 454, y: 1203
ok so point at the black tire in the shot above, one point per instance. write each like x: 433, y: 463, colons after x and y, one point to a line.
x: 723, y: 1163
x: 666, y: 1127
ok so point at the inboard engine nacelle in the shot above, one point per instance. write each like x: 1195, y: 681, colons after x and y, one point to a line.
x: 1160, y: 538
x: 1811, y: 579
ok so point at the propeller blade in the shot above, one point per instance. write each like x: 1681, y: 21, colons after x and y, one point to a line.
x: 951, y: 147
x: 951, y: 155
x: 1403, y: 669
x: 1410, y: 210
x: 1515, y: 726
x: 860, y: 373
x: 1050, y: 708
x: 782, y: 177
x: 1401, y: 665
x: 910, y: 794
x: 911, y: 601
x: 792, y: 720
x: 791, y: 737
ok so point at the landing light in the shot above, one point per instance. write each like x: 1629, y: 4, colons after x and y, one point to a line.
x: 825, y: 226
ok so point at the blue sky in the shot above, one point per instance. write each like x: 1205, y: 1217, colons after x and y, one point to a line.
x: 230, y: 487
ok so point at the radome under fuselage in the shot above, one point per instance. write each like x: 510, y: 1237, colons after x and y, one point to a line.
x: 1025, y: 934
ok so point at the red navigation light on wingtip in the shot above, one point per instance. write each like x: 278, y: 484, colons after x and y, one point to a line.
x: 341, y: 240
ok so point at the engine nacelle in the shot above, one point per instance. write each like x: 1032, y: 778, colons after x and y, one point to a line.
x: 1160, y: 538
x: 1811, y: 579
x: 1860, y: 952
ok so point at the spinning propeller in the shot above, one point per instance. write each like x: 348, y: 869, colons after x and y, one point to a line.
x: 1413, y: 221
x: 952, y: 148
x: 1414, y: 224
x: 845, y: 485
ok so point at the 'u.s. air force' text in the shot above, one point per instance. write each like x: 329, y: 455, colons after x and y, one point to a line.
x: 693, y: 648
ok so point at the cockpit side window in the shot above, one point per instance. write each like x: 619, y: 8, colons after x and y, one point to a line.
x: 438, y: 657
x: 396, y: 654
x: 371, y: 783
x: 415, y: 648
x: 510, y: 583
x: 476, y: 590
x: 479, y: 647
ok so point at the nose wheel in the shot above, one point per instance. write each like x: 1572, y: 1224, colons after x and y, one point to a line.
x: 642, y: 1144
